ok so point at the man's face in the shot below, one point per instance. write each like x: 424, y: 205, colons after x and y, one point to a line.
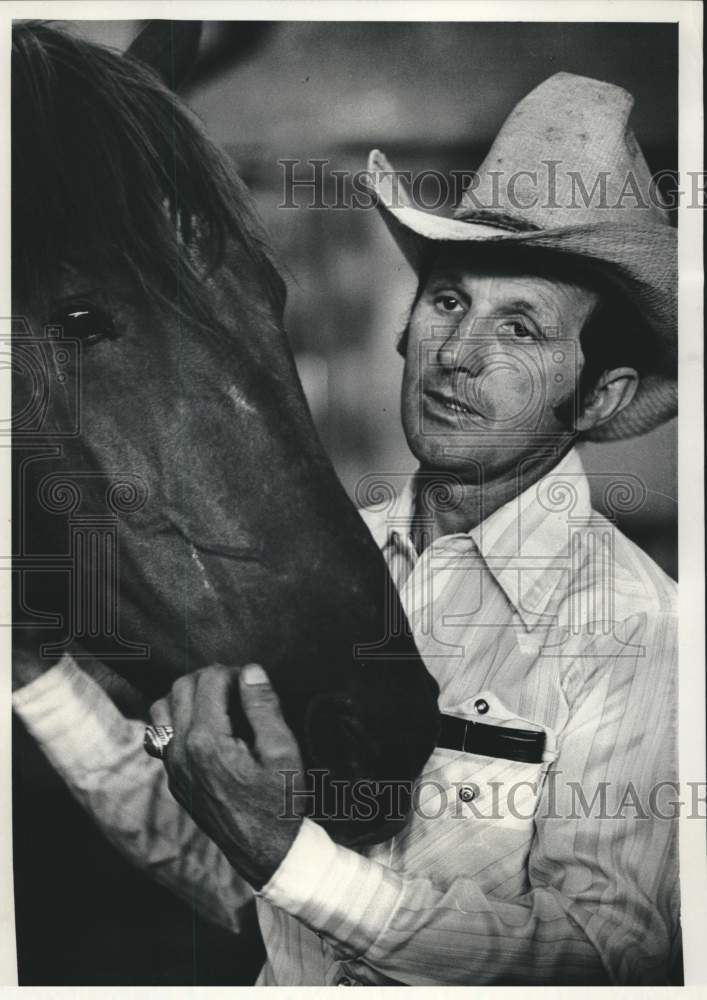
x: 492, y: 364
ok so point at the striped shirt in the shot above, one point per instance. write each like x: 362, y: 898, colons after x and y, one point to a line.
x: 545, y: 618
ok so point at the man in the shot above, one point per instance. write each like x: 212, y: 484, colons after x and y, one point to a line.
x: 539, y: 850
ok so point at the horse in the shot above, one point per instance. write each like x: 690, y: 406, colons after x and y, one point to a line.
x: 173, y: 506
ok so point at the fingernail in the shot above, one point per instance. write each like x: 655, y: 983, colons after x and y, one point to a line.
x: 254, y: 674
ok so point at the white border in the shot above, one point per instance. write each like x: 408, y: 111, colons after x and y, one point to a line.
x: 692, y: 740
x: 693, y: 834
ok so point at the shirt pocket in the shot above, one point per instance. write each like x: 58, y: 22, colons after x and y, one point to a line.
x: 498, y: 785
x: 472, y: 810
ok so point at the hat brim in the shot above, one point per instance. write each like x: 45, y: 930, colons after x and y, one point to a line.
x: 641, y: 261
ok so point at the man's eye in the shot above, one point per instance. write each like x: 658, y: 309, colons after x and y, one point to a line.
x: 448, y: 303
x: 83, y: 320
x: 518, y: 329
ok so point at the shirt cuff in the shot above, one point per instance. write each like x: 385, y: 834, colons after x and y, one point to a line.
x: 71, y: 717
x: 333, y: 890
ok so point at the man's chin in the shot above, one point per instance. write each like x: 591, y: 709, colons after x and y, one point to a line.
x: 464, y: 462
x: 469, y: 466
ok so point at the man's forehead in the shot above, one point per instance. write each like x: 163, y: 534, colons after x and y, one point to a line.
x: 530, y: 281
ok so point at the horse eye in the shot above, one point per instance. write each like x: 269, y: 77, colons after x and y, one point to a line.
x: 84, y: 321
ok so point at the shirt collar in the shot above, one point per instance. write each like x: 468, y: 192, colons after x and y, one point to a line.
x: 524, y: 544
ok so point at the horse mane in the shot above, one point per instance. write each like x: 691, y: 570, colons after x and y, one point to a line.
x: 110, y: 171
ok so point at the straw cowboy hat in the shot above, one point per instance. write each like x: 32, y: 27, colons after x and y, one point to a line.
x: 566, y: 174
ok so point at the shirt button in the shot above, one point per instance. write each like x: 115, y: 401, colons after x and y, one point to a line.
x: 466, y: 793
x: 481, y: 706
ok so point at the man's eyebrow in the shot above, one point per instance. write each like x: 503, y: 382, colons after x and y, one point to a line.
x: 522, y: 305
x: 454, y: 277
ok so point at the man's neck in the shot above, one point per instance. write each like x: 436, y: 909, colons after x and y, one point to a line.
x: 472, y: 502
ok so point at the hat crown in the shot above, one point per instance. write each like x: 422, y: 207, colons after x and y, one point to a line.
x: 565, y: 156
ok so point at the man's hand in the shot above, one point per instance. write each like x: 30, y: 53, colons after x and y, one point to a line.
x: 235, y: 794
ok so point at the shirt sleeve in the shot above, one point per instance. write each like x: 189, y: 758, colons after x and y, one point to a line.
x: 601, y: 906
x: 99, y: 754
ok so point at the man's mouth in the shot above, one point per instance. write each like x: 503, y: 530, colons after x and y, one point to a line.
x: 450, y: 403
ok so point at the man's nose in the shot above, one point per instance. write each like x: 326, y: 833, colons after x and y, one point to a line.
x: 465, y: 346
x: 448, y: 341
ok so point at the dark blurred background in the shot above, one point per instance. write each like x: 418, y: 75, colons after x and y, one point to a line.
x: 431, y: 96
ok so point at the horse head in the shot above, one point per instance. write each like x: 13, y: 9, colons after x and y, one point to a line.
x: 173, y: 506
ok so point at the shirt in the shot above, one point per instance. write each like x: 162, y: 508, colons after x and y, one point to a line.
x: 544, y: 617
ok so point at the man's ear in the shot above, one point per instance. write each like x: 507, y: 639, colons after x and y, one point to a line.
x: 169, y: 48
x: 612, y: 393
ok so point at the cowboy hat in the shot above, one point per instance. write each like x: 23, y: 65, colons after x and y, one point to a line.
x: 566, y: 175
